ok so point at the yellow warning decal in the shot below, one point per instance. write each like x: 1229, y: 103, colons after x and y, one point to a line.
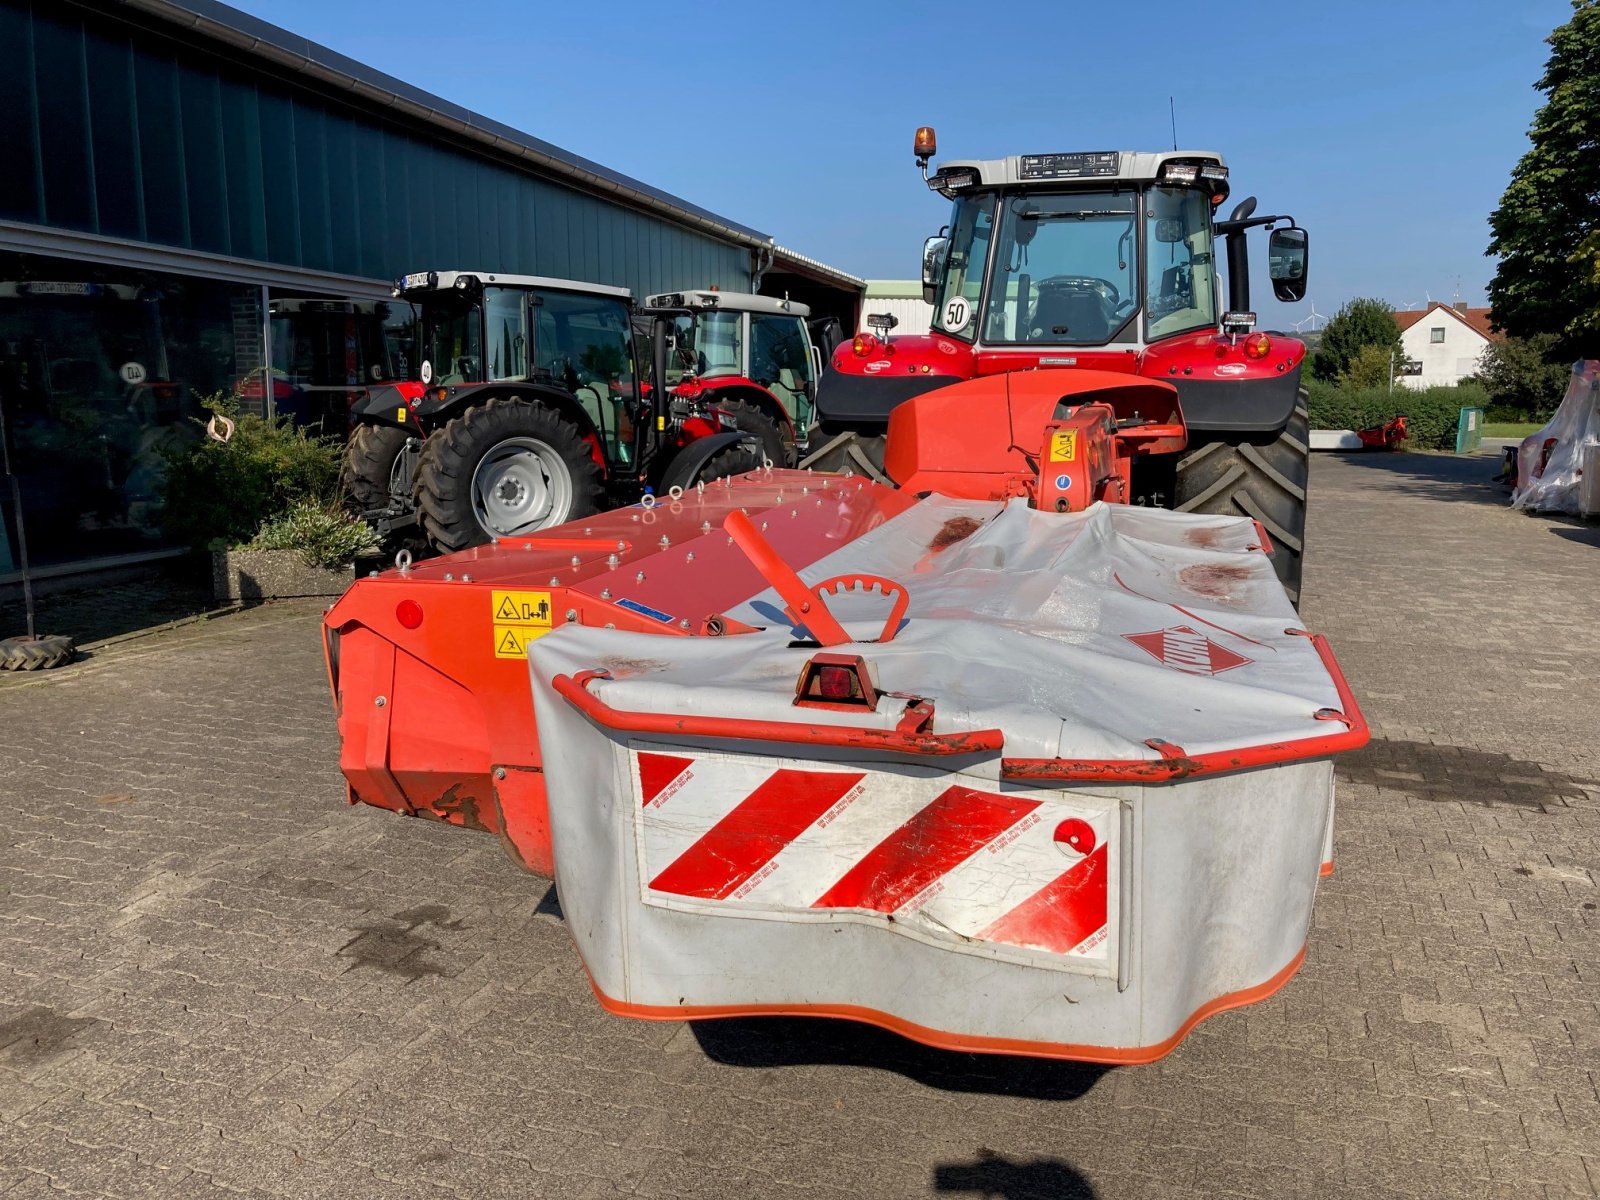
x: 511, y: 641
x: 400, y: 415
x: 519, y: 618
x: 1064, y: 445
x: 521, y: 608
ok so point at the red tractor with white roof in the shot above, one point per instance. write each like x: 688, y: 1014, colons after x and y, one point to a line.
x: 1107, y: 261
x: 751, y: 358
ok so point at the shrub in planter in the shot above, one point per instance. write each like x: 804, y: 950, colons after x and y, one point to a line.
x: 324, y: 537
x: 1431, y: 413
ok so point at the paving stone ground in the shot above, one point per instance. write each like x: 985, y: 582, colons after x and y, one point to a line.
x: 215, y: 978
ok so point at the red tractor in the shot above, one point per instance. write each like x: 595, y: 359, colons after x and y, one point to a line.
x: 752, y: 358
x: 528, y: 412
x: 1103, y: 260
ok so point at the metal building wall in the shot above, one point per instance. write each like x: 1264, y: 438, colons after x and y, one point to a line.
x: 109, y: 130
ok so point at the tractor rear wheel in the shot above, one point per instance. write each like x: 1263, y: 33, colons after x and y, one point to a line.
x: 747, y: 418
x: 507, y: 468
x: 1267, y: 482
x: 857, y: 453
x: 374, y: 467
x: 734, y: 460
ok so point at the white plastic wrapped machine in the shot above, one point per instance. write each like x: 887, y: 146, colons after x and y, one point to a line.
x: 1552, y: 464
x: 1089, y: 807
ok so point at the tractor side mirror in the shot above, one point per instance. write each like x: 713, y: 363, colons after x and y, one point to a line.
x: 1288, y: 253
x: 934, y: 253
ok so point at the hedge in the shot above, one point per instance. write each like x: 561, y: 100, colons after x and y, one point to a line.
x: 1432, y: 414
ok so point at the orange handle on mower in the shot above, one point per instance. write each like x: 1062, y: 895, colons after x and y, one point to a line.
x: 575, y: 690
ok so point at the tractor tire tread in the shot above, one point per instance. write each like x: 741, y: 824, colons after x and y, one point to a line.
x: 368, y: 463
x: 750, y: 419
x: 42, y: 653
x: 451, y: 455
x: 1268, y: 483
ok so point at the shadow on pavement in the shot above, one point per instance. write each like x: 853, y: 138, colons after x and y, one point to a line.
x: 1436, y: 476
x: 1585, y: 535
x: 1461, y: 774
x: 769, y: 1042
x: 994, y: 1175
x: 113, y: 609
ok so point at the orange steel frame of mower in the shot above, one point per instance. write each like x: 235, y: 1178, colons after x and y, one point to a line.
x: 981, y: 439
x: 428, y: 663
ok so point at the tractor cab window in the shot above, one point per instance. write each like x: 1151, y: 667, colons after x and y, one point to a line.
x: 781, y: 361
x: 505, y: 319
x: 955, y: 309
x: 1064, y: 271
x: 708, y: 344
x: 452, y: 339
x: 1180, y: 273
x: 584, y: 344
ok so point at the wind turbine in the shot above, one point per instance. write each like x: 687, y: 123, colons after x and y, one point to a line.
x: 1311, y: 319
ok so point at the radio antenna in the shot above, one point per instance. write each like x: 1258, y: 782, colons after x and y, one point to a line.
x: 1172, y: 111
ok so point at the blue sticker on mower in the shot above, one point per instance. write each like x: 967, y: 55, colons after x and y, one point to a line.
x: 645, y: 610
x: 1063, y: 483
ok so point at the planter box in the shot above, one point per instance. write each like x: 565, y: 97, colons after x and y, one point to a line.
x: 240, y: 575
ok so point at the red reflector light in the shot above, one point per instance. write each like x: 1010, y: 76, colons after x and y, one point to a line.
x: 863, y: 345
x: 408, y: 613
x: 1077, y: 833
x: 1257, y: 345
x: 836, y: 683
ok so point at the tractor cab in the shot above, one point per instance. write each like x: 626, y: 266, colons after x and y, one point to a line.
x: 744, y: 351
x: 476, y: 328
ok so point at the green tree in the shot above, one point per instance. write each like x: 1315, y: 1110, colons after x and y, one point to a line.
x: 1521, y: 373
x: 1547, y: 227
x: 1369, y: 368
x: 1359, y: 323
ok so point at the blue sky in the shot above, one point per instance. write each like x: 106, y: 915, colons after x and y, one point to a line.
x: 1387, y: 129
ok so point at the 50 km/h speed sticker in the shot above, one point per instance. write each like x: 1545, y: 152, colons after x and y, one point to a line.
x: 956, y: 312
x: 519, y: 618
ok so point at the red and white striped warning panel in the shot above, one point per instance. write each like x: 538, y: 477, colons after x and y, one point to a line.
x: 967, y: 867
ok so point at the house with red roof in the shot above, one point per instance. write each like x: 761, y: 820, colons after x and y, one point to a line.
x: 1448, y: 340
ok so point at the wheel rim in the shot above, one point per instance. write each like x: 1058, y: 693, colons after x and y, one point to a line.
x: 519, y: 486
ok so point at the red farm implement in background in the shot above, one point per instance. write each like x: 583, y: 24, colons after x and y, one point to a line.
x: 994, y: 759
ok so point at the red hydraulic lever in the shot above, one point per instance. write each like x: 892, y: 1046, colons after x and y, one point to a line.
x: 805, y: 606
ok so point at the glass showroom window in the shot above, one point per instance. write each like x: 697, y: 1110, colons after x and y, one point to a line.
x: 101, y: 369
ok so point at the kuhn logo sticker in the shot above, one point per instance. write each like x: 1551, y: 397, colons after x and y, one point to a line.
x: 1187, y: 650
x: 1232, y: 369
x: 882, y: 364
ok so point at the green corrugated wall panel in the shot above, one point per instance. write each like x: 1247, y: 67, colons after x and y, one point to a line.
x: 157, y: 142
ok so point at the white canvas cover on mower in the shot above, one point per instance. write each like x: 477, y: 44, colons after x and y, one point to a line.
x: 1120, y: 832
x: 1550, y: 462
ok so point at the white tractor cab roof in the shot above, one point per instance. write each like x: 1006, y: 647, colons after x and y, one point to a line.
x: 432, y: 281
x: 729, y: 302
x: 1205, y: 168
